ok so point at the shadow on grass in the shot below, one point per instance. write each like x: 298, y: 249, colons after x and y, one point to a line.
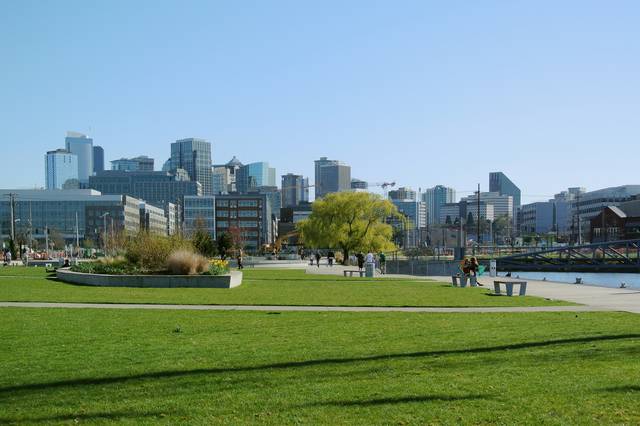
x: 308, y: 363
x: 387, y: 401
x: 623, y: 389
x: 114, y: 415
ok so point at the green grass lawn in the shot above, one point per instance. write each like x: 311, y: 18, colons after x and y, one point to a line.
x: 100, y: 366
x: 263, y: 287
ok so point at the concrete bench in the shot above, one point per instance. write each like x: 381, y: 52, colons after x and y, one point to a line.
x: 462, y: 280
x: 353, y: 271
x: 509, y: 287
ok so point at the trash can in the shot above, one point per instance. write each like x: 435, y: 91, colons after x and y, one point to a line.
x: 369, y: 269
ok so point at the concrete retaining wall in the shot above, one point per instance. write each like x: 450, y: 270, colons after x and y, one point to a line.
x: 234, y: 279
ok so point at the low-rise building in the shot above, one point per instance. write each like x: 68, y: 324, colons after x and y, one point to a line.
x: 538, y: 218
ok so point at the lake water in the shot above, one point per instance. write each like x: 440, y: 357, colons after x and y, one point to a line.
x: 602, y: 279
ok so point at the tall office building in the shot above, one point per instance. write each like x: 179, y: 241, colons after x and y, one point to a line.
x: 224, y: 176
x: 331, y: 176
x: 82, y: 146
x: 295, y: 190
x: 435, y: 198
x: 98, y: 159
x: 323, y: 161
x: 60, y: 167
x: 402, y: 194
x: 141, y: 163
x: 194, y: 156
x: 500, y: 183
x: 255, y: 175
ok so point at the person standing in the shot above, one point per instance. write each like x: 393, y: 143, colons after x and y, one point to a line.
x: 330, y: 257
x: 383, y: 263
x: 360, y: 257
x: 318, y: 257
x: 240, y: 265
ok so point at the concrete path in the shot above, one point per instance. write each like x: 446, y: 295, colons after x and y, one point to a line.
x: 293, y: 308
x: 599, y: 298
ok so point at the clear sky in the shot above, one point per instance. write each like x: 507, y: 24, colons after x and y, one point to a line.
x: 418, y: 92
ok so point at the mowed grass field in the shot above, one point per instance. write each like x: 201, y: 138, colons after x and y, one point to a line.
x: 201, y: 367
x: 264, y: 287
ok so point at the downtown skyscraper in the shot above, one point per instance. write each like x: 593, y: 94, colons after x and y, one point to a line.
x: 194, y: 156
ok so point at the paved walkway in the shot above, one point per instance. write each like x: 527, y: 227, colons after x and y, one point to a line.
x: 292, y: 308
x: 599, y: 298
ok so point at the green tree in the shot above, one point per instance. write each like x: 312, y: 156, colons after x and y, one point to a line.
x: 202, y: 240
x: 225, y: 244
x: 350, y: 221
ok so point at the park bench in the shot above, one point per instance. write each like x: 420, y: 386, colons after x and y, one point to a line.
x: 509, y: 287
x: 353, y: 271
x: 462, y: 280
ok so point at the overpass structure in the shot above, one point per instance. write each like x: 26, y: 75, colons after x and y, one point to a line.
x: 612, y: 256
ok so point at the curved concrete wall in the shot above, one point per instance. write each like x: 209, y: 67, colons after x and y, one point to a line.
x: 234, y: 279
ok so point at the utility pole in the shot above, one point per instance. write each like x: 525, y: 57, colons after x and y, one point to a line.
x: 478, y: 224
x: 77, y: 239
x: 579, y: 222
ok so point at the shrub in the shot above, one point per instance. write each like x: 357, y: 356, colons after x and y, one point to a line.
x: 186, y: 262
x: 109, y: 266
x: 151, y: 252
x: 218, y: 267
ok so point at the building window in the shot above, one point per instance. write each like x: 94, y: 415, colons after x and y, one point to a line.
x: 222, y: 224
x: 248, y: 224
x: 222, y: 203
x: 248, y: 213
x: 248, y: 203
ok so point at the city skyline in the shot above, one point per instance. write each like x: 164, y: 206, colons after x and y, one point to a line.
x: 448, y: 95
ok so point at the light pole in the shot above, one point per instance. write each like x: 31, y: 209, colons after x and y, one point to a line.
x: 104, y: 232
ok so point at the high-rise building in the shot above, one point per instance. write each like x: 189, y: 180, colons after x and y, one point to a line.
x: 194, y: 156
x: 331, y: 176
x: 82, y: 146
x: 254, y: 175
x: 141, y: 163
x: 61, y: 167
x: 500, y: 183
x: 224, y: 176
x: 435, y: 198
x: 402, y: 194
x: 98, y: 159
x: 359, y: 185
x: 295, y: 190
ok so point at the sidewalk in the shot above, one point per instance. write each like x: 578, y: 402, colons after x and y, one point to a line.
x: 602, y: 298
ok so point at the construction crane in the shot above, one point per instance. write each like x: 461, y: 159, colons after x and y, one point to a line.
x: 383, y: 185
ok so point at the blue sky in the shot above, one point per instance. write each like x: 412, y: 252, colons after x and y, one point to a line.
x: 418, y: 92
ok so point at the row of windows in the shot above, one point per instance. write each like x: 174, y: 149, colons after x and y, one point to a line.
x: 237, y: 203
x: 241, y: 224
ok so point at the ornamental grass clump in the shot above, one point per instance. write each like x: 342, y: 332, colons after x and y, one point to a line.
x: 186, y: 262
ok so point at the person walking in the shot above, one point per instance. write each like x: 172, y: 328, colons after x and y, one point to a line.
x: 240, y: 265
x: 318, y: 257
x: 330, y: 257
x: 383, y: 263
x: 360, y: 257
